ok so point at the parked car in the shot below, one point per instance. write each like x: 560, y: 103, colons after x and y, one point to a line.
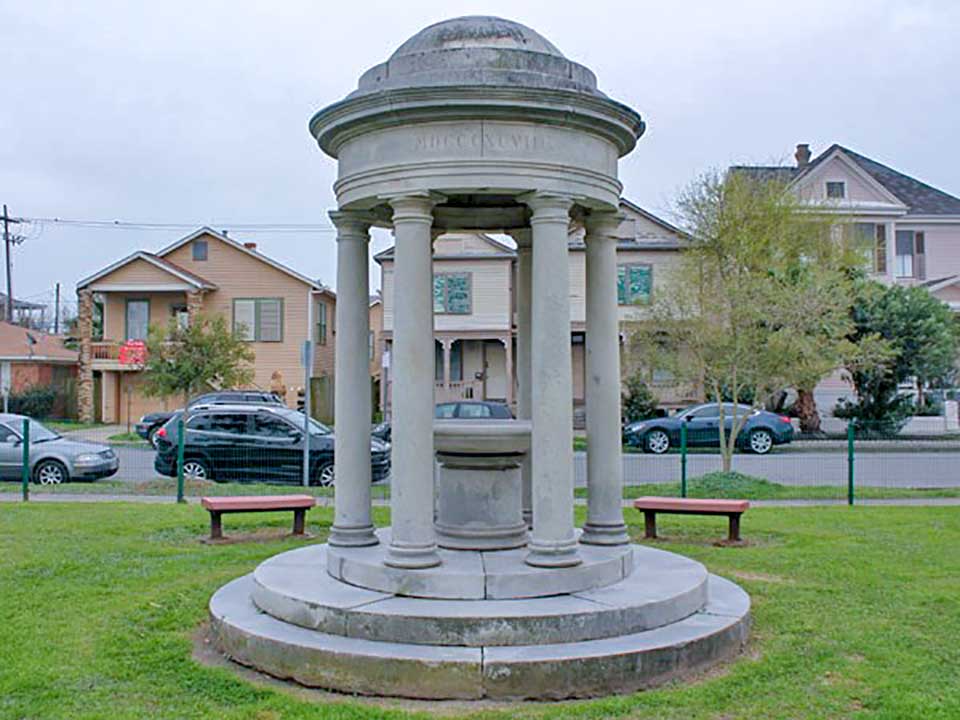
x: 461, y: 409
x: 255, y: 443
x: 151, y: 422
x: 761, y: 431
x: 53, y: 458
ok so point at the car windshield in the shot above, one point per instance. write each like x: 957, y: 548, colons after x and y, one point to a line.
x: 39, y: 433
x: 296, y: 418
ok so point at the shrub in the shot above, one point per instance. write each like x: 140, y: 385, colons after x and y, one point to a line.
x: 36, y: 402
x: 638, y: 402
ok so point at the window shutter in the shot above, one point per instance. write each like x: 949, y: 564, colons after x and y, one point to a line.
x: 920, y: 256
x: 621, y: 285
x: 271, y: 320
x: 880, y: 251
x: 245, y: 319
x: 438, y: 293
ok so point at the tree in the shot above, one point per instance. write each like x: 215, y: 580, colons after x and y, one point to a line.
x: 204, y: 354
x: 922, y: 335
x: 638, y: 402
x: 761, y: 298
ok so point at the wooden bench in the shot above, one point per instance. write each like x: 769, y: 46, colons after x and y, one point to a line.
x: 218, y: 506
x: 650, y: 506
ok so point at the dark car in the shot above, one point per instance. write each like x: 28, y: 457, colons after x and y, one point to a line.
x: 460, y: 409
x: 761, y: 431
x: 151, y: 422
x: 262, y: 443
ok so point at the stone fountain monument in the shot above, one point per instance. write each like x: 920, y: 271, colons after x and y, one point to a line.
x: 483, y: 587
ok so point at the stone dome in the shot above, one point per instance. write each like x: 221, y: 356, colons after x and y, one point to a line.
x: 478, y: 51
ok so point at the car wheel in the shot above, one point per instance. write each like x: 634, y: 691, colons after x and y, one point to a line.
x: 324, y: 476
x: 657, y: 442
x: 761, y: 441
x: 194, y: 469
x: 152, y: 437
x: 50, y: 472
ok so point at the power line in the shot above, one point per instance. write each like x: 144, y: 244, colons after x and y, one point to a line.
x: 134, y: 225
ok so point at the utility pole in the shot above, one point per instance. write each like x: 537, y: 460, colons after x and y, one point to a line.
x: 7, y: 240
x: 56, y: 313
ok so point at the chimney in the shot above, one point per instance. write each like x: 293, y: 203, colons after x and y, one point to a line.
x: 802, y: 155
x: 250, y: 246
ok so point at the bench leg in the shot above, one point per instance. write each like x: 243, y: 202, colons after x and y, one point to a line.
x: 298, y: 521
x: 650, y: 524
x: 734, y: 534
x: 216, y: 526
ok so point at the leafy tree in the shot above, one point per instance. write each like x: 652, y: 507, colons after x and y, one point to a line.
x: 204, y: 354
x: 761, y: 298
x: 638, y: 402
x: 923, y: 339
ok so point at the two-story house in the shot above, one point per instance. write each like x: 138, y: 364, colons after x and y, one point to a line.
x: 475, y: 305
x: 209, y: 273
x: 912, y: 230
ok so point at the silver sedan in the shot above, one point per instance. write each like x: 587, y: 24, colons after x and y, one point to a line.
x: 53, y: 458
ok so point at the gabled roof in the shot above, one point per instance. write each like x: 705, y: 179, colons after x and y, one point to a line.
x: 183, y: 274
x: 920, y: 198
x: 242, y: 248
x: 18, y: 343
x: 499, y: 249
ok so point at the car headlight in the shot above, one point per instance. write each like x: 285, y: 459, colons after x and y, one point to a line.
x: 86, y: 459
x: 634, y: 427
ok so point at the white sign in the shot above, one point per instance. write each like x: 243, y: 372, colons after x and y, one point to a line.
x: 306, y: 354
x: 385, y: 360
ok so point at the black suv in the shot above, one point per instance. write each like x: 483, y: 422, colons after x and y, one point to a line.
x: 151, y: 422
x: 255, y: 443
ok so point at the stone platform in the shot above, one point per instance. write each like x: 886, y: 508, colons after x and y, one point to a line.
x: 665, y: 619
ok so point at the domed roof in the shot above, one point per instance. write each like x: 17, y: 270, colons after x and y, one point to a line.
x: 477, y: 31
x: 478, y: 51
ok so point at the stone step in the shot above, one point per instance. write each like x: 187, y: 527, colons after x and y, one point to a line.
x: 293, y: 587
x: 574, y: 669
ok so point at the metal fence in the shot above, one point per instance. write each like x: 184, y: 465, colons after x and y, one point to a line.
x: 838, y: 468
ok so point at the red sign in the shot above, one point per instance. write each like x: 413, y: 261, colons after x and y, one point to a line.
x: 133, y: 352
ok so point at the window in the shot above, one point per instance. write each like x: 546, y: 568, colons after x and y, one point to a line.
x: 456, y: 361
x: 199, y: 248
x: 634, y: 284
x: 321, y: 323
x: 269, y: 426
x: 451, y: 293
x: 181, y: 315
x: 6, y: 433
x: 258, y: 319
x: 911, y: 255
x: 468, y: 410
x: 836, y: 190
x: 874, y: 241
x: 371, y: 342
x: 138, y: 319
x: 707, y: 411
x: 232, y: 423
x: 447, y: 410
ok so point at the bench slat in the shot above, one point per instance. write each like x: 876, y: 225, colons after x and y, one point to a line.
x: 704, y: 505
x: 240, y: 503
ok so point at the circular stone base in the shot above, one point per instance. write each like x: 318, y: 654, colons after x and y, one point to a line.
x: 292, y: 587
x: 478, y: 575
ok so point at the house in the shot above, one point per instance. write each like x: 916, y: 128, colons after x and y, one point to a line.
x: 475, y: 305
x: 206, y: 272
x: 34, y: 359
x: 911, y: 229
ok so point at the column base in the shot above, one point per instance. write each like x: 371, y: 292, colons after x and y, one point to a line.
x: 552, y: 555
x: 352, y: 536
x: 412, y: 557
x: 597, y: 534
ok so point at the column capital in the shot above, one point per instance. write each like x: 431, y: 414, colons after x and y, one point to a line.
x: 414, y: 206
x: 602, y: 225
x: 351, y: 224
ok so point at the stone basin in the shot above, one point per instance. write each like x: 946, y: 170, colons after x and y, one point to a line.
x: 479, y: 496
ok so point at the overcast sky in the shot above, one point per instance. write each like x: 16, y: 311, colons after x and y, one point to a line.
x: 196, y: 112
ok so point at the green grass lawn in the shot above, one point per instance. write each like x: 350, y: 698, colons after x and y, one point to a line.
x: 855, y: 616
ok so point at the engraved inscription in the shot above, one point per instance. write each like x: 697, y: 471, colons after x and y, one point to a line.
x: 489, y: 141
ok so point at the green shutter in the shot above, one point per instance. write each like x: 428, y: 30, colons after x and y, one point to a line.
x: 438, y: 293
x: 458, y: 294
x: 639, y: 284
x: 621, y: 285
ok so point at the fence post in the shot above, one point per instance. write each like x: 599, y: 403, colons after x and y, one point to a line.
x: 180, y: 460
x: 683, y: 459
x: 25, y: 469
x: 850, y: 430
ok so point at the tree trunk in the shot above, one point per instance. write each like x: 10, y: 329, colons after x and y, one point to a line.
x: 807, y: 412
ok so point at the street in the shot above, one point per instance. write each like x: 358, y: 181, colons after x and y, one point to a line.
x: 914, y: 469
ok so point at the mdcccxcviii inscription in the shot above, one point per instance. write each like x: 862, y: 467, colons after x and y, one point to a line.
x: 484, y: 142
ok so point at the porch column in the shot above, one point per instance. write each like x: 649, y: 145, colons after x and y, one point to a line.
x: 508, y: 365
x: 524, y: 300
x: 352, y: 524
x: 447, y: 345
x: 413, y: 543
x: 194, y: 304
x: 553, y: 542
x: 85, y: 411
x: 604, y: 524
